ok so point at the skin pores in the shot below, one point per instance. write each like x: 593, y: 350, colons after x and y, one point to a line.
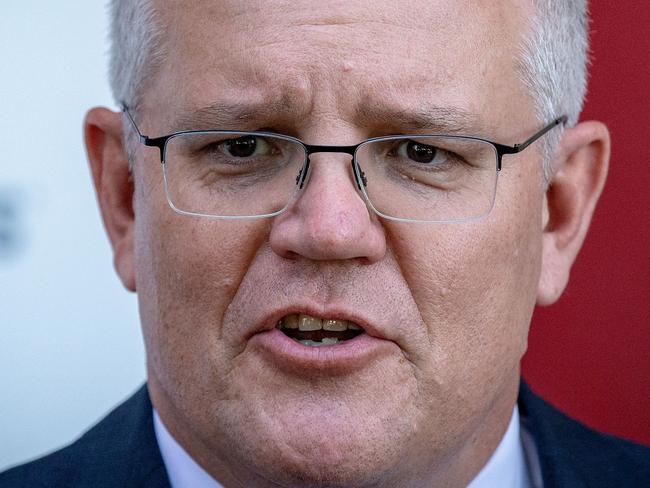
x: 454, y: 301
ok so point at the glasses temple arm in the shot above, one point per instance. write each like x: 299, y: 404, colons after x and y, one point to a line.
x: 517, y: 148
x: 125, y: 109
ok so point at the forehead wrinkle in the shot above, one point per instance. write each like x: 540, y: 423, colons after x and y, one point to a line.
x: 411, y: 115
x: 246, y: 93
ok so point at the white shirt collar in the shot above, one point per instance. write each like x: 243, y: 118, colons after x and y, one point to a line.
x: 182, y: 470
x: 507, y: 468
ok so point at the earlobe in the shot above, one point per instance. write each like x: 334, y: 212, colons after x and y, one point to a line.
x: 107, y: 156
x: 580, y: 171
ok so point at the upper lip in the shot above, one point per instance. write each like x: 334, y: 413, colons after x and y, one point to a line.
x: 271, y: 319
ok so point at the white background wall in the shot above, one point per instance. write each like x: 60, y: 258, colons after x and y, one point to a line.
x: 70, y: 344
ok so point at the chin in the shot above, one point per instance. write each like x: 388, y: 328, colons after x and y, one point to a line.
x: 331, y: 478
x: 320, y: 451
x: 348, y: 469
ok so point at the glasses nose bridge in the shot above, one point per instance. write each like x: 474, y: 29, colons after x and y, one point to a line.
x: 313, y: 149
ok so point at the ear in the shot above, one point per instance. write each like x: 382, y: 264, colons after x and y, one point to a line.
x: 107, y: 156
x: 580, y: 170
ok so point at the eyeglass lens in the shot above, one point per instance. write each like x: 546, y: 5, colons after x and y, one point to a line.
x: 240, y: 174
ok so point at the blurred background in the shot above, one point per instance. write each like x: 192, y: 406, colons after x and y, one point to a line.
x: 70, y: 345
x: 589, y: 354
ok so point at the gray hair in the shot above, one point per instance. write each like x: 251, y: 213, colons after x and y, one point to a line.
x: 553, y: 66
x: 552, y: 59
x: 136, y: 48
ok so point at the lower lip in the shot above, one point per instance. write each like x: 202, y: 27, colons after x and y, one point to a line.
x: 342, y: 357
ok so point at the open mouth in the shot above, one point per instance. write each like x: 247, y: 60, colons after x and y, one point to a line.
x: 313, y: 331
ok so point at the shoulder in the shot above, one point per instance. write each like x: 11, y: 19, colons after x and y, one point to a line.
x: 572, y: 454
x: 121, y: 450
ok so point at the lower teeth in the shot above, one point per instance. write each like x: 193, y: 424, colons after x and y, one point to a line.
x: 325, y: 342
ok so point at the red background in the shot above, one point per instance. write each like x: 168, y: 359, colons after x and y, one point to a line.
x: 589, y: 354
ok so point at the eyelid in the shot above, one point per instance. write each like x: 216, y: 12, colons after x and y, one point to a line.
x: 437, y: 150
x: 268, y: 144
x: 403, y: 142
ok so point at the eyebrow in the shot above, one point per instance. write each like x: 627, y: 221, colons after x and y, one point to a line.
x: 430, y: 118
x: 372, y: 114
x: 227, y: 115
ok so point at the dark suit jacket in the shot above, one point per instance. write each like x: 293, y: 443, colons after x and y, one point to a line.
x: 121, y: 451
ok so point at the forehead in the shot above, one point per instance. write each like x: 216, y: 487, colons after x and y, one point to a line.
x: 305, y: 58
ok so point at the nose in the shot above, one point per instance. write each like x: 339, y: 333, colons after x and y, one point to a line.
x: 329, y: 220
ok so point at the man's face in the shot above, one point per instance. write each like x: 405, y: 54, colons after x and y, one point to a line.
x: 446, y: 307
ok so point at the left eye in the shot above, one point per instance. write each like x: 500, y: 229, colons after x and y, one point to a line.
x: 422, y: 153
x: 246, y: 147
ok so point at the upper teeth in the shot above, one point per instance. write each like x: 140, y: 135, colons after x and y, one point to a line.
x: 308, y: 323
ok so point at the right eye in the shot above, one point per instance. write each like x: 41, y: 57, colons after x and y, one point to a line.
x: 246, y: 147
x: 422, y: 153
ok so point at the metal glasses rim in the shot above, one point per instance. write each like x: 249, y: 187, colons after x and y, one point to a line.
x: 310, y: 148
x: 357, y: 176
x: 500, y: 149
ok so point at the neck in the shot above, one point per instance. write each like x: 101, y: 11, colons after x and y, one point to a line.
x: 460, y: 466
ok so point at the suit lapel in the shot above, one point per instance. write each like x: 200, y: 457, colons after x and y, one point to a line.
x: 122, y: 449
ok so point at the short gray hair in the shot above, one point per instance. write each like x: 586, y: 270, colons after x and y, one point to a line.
x: 552, y: 58
x: 553, y: 65
x: 136, y: 48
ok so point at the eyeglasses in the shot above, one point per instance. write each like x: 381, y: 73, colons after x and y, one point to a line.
x: 226, y: 174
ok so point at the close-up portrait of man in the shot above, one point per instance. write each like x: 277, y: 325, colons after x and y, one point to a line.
x: 338, y: 218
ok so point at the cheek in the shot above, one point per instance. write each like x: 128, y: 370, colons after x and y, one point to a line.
x: 187, y: 271
x: 475, y: 286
